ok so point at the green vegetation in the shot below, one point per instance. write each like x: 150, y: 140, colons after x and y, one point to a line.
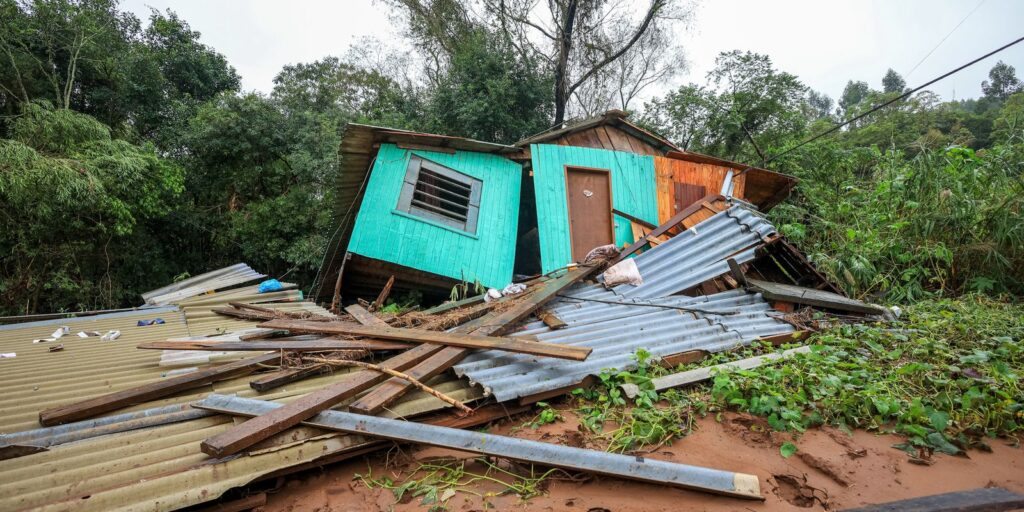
x: 436, y: 483
x: 947, y: 379
x: 128, y: 153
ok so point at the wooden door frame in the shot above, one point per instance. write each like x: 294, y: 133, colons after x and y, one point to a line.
x: 568, y: 202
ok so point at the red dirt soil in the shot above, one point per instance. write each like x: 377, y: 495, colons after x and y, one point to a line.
x: 831, y: 471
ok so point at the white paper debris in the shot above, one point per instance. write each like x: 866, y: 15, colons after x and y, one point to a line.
x: 7, y: 355
x: 111, y: 336
x: 61, y: 331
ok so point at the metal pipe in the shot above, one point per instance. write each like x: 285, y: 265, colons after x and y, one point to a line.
x: 698, y: 478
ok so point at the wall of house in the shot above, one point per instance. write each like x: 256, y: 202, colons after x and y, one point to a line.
x: 607, y: 137
x: 671, y: 171
x: 633, y: 192
x: 384, y: 233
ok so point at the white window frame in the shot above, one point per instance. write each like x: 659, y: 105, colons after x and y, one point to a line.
x: 407, y: 203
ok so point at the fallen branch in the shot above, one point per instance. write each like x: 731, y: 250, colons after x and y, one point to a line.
x: 421, y: 386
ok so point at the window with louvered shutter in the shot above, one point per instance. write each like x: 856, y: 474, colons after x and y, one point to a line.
x: 437, y: 193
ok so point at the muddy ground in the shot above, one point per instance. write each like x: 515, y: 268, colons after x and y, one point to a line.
x: 831, y: 471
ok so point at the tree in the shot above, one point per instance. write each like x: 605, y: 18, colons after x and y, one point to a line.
x: 88, y: 56
x: 853, y: 94
x: 576, y: 41
x: 748, y: 110
x: 892, y: 82
x: 489, y: 94
x: 1002, y: 82
x: 80, y: 210
x: 819, y: 105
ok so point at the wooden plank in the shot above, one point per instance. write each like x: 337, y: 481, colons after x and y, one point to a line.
x: 262, y: 427
x: 236, y: 439
x: 379, y: 303
x: 493, y: 324
x: 550, y: 319
x: 516, y: 345
x: 989, y: 499
x: 146, y: 392
x: 633, y: 219
x: 321, y: 345
x: 468, y: 301
x: 364, y: 317
x: 282, y: 377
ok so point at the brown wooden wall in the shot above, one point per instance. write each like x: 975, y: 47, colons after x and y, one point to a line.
x: 685, y: 179
x: 607, y: 137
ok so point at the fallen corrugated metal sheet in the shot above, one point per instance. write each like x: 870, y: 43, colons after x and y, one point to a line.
x: 662, y: 332
x: 738, y: 485
x: 99, y: 464
x: 619, y: 321
x: 210, y: 281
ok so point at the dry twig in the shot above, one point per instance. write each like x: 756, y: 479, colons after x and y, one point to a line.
x: 421, y: 386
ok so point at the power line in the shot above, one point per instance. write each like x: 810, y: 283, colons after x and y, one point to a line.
x: 929, y: 54
x: 891, y: 101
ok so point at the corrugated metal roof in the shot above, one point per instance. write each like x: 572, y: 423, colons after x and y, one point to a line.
x: 634, y: 320
x: 203, y: 283
x: 616, y: 337
x: 155, y: 468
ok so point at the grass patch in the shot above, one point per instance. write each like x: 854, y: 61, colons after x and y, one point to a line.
x: 435, y: 484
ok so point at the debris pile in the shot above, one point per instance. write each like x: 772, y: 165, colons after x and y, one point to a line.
x: 690, y: 289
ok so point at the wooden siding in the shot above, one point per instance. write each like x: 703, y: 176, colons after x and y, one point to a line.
x: 607, y: 137
x: 633, y: 192
x: 384, y: 233
x: 671, y: 171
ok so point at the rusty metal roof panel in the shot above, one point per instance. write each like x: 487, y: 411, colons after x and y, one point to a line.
x: 93, y: 466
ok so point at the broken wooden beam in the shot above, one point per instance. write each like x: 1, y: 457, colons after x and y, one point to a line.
x: 242, y: 436
x: 665, y: 227
x: 320, y: 345
x: 364, y: 317
x: 469, y: 341
x: 286, y: 376
x: 632, y: 467
x: 550, y: 319
x: 153, y: 390
x: 379, y: 303
x: 387, y: 393
x: 257, y: 429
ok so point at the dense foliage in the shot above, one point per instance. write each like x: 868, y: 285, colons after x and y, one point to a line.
x: 918, y: 199
x: 129, y: 156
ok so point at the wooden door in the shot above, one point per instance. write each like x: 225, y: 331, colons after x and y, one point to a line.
x: 590, y: 209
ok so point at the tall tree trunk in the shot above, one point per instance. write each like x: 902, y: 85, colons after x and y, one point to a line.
x: 562, y: 64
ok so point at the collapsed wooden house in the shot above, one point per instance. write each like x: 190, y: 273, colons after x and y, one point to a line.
x: 434, y: 210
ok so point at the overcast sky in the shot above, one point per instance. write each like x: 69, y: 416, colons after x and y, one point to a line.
x: 823, y: 43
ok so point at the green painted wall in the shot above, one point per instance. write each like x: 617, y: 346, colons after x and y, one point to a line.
x: 633, y: 192
x: 384, y: 233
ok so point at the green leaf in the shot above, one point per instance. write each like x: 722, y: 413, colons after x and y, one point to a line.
x: 787, y: 449
x: 939, y: 420
x: 940, y: 443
